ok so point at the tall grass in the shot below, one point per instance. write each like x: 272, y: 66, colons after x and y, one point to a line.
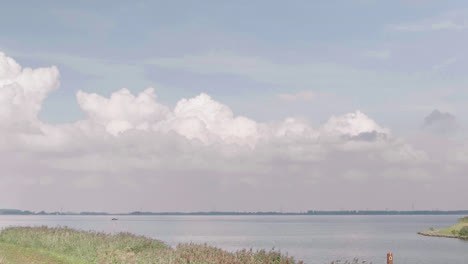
x: 94, y: 247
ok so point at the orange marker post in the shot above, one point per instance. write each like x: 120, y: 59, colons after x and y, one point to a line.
x: 389, y: 258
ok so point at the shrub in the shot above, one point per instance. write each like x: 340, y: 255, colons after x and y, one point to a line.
x: 464, y: 231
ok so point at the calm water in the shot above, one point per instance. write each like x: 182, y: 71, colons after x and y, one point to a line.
x: 314, y: 239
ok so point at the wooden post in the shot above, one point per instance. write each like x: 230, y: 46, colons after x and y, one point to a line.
x: 389, y: 258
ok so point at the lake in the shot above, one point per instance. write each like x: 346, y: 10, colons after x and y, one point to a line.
x: 314, y: 239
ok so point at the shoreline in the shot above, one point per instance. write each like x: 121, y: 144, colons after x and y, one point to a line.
x: 254, y: 213
x: 436, y: 233
x: 44, y: 245
x: 458, y: 230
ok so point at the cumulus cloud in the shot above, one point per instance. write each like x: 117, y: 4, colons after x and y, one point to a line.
x: 354, y: 125
x: 134, y: 145
x: 205, y: 119
x: 23, y: 90
x: 123, y: 111
x: 442, y: 123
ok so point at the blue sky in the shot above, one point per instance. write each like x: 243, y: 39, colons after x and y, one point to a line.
x: 105, y: 46
x: 293, y: 104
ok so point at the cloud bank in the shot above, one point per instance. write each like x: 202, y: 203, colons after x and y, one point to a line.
x: 134, y: 153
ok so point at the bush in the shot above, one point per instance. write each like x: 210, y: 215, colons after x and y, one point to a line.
x: 464, y: 231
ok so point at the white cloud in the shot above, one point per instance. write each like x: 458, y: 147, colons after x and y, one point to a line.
x: 207, y: 120
x: 23, y: 90
x: 135, y: 145
x: 123, y: 111
x: 352, y: 125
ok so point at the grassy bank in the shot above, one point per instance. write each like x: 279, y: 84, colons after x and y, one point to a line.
x: 64, y: 245
x: 459, y: 230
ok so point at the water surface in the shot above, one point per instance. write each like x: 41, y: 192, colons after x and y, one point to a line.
x: 314, y: 239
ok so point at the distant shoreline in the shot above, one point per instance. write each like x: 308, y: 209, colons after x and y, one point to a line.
x: 343, y: 213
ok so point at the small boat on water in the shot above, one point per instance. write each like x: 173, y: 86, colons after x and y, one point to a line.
x: 114, y: 219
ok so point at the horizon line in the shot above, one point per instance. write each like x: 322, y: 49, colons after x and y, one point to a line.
x: 308, y: 212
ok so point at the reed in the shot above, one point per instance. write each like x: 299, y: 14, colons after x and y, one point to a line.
x: 74, y: 246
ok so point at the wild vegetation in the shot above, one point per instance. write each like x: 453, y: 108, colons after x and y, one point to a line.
x: 464, y: 231
x: 64, y: 245
x: 459, y: 230
x: 354, y: 261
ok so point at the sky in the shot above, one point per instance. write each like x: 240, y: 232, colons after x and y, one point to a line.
x: 233, y: 105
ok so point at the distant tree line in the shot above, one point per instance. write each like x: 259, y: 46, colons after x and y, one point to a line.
x: 381, y: 212
x: 311, y: 212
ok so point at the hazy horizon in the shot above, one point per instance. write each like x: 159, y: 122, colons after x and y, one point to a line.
x: 234, y: 106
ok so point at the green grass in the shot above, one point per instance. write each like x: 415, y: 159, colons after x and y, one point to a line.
x: 455, y: 228
x: 14, y: 254
x: 64, y: 245
x: 453, y: 231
